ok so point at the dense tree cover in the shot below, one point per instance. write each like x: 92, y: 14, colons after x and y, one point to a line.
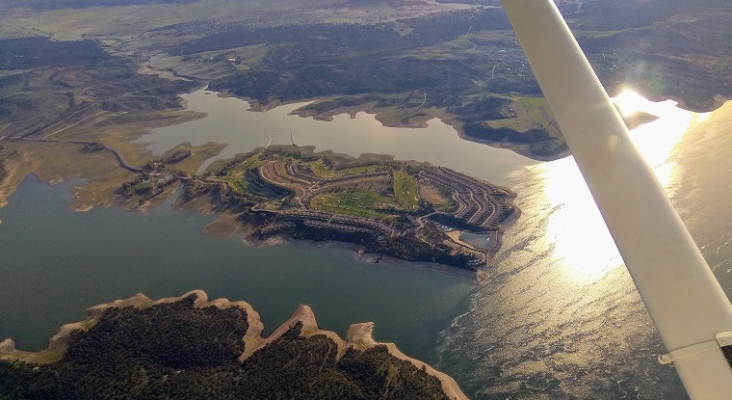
x: 727, y: 350
x: 314, y: 60
x: 35, y: 52
x: 483, y: 131
x: 539, y: 141
x: 384, y: 376
x: 410, y: 247
x: 676, y: 60
x: 405, y: 247
x: 665, y: 58
x: 178, y: 351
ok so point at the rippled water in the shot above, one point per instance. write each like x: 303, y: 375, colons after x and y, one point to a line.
x: 551, y: 324
x: 703, y: 194
x: 558, y: 317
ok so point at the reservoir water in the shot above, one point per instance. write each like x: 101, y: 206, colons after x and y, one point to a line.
x: 243, y: 131
x: 557, y: 317
x: 56, y: 263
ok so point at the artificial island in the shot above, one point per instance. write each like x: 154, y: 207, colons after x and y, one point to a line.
x: 406, y: 210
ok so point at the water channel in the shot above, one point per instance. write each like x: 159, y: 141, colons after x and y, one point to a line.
x: 558, y: 317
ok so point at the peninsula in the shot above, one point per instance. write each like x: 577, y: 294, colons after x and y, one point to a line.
x: 188, y: 347
x: 406, y: 210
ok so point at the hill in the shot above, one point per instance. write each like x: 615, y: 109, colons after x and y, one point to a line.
x: 188, y: 347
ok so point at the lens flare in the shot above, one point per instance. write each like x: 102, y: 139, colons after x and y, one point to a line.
x: 629, y: 102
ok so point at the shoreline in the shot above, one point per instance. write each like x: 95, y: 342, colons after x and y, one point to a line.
x: 58, y: 343
x: 227, y: 225
x: 20, y: 169
x: 358, y: 336
x: 359, y: 255
x: 241, y: 222
x: 368, y: 108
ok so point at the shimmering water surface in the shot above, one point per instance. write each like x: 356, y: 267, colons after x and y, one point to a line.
x: 558, y: 317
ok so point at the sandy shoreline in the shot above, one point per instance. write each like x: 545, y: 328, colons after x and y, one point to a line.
x: 58, y: 343
x: 359, y: 336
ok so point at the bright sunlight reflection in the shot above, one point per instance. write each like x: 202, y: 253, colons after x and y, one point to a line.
x: 576, y: 229
x: 630, y: 102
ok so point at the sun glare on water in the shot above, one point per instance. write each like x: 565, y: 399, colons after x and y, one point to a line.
x: 576, y: 230
x: 629, y: 102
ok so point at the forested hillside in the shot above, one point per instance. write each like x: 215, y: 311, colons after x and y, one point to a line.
x: 177, y: 350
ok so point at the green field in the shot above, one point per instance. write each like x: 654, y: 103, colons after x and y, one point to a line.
x: 321, y: 169
x: 142, y: 186
x: 406, y: 190
x: 250, y: 163
x: 531, y: 112
x: 239, y: 185
x: 356, y: 203
x: 235, y: 177
x: 360, y: 170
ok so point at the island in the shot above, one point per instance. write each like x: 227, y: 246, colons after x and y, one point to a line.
x: 189, y: 347
x: 406, y: 210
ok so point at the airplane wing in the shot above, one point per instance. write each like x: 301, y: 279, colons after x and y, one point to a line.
x: 687, y: 305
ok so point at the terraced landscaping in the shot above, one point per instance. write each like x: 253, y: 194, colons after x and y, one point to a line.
x: 296, y: 193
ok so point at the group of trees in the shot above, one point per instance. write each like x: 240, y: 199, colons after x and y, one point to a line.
x: 177, y: 350
x: 410, y: 247
x: 160, y: 163
x: 540, y: 142
x: 39, y: 52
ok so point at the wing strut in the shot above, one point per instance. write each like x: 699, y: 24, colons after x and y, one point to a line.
x: 687, y: 305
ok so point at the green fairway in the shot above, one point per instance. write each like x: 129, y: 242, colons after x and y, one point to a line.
x: 360, y: 170
x: 406, y: 190
x: 235, y: 178
x: 321, y: 169
x: 356, y: 203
